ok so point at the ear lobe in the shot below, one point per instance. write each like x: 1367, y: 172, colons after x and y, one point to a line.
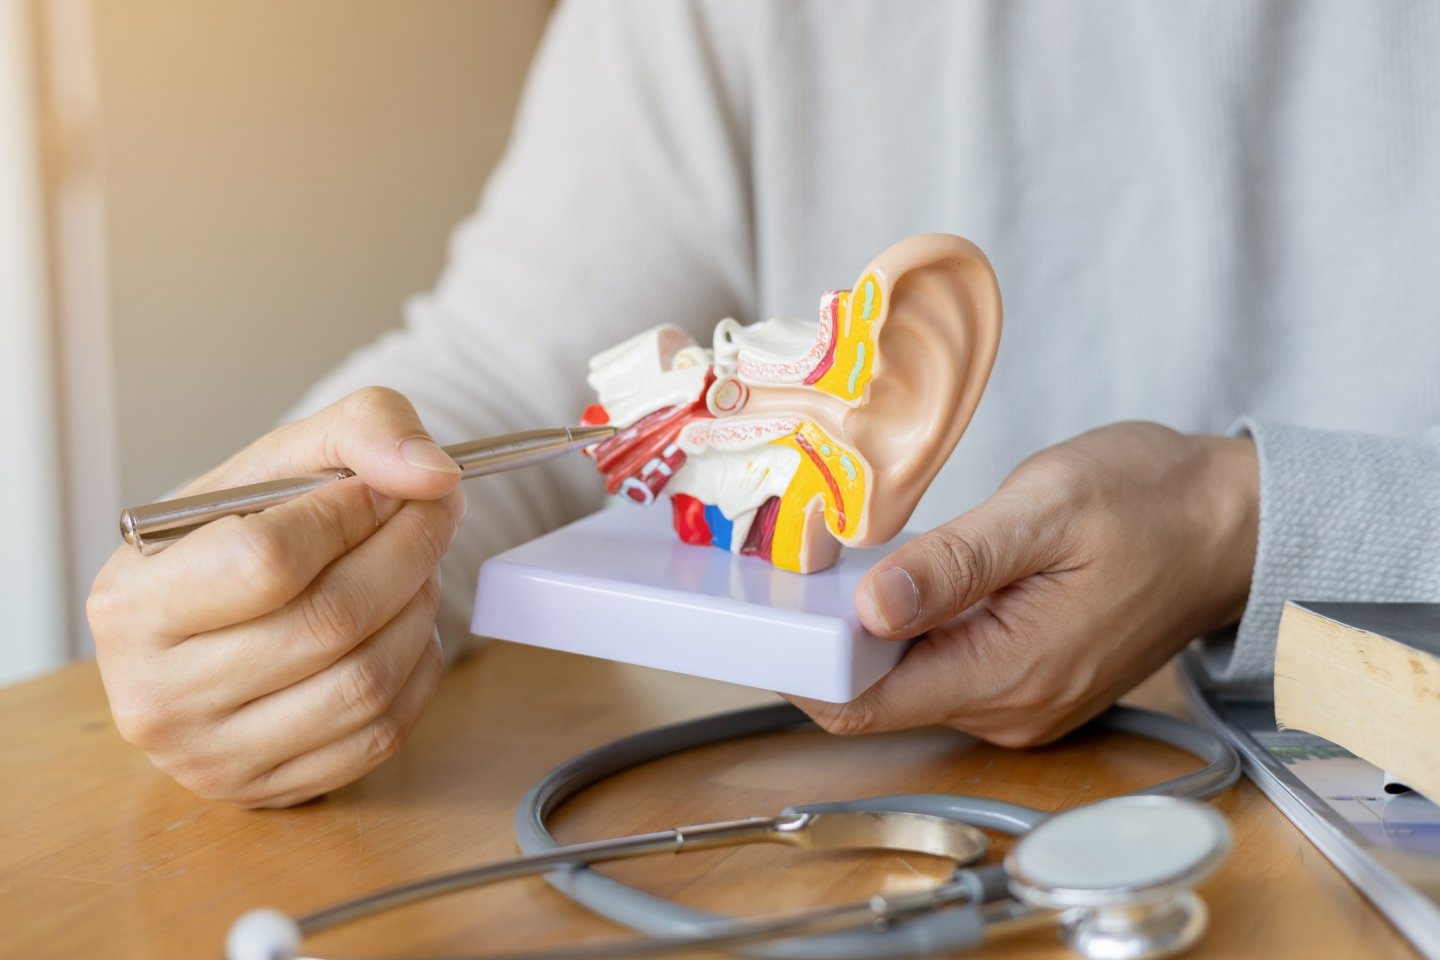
x: 934, y: 343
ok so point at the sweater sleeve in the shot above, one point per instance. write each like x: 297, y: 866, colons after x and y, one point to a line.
x: 1343, y: 516
x: 621, y: 203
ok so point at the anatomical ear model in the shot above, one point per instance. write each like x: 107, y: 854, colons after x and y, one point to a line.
x: 788, y: 438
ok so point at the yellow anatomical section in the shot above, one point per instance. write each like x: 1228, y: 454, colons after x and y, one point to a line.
x: 829, y: 472
x: 857, y: 315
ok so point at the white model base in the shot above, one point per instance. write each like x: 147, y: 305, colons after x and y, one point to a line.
x: 619, y: 585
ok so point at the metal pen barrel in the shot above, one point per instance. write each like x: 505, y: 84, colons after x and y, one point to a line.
x: 479, y: 458
x: 150, y: 527
x: 158, y: 523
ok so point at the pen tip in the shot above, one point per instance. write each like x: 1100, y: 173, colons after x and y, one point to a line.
x: 585, y: 436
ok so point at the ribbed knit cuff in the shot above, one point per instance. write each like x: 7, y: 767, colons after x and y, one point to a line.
x: 1343, y: 516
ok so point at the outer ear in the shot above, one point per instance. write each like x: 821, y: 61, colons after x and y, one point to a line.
x: 934, y: 330
x: 869, y: 405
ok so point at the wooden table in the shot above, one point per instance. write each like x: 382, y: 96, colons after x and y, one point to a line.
x: 102, y: 856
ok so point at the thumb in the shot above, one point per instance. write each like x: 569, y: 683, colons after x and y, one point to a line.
x: 937, y: 575
x: 373, y: 431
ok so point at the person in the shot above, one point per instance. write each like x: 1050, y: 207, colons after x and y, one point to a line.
x: 1216, y: 217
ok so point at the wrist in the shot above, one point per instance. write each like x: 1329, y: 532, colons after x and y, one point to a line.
x: 1233, y: 481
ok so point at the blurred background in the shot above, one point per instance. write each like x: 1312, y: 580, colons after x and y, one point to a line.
x: 204, y: 205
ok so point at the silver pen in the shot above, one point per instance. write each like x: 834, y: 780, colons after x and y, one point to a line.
x: 151, y: 527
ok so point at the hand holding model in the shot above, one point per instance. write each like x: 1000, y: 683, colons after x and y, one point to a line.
x: 269, y: 658
x: 1094, y: 563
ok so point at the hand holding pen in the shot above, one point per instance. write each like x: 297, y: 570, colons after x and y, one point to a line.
x: 269, y: 658
x: 150, y: 528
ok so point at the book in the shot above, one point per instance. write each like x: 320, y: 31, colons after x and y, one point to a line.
x: 1365, y: 676
x: 1388, y: 846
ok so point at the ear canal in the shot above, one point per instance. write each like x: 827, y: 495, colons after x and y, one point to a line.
x: 934, y: 344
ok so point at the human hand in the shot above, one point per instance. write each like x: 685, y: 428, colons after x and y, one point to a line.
x: 1093, y: 563
x: 269, y: 658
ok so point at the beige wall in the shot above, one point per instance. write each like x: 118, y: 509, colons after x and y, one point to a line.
x: 32, y: 561
x: 279, y: 176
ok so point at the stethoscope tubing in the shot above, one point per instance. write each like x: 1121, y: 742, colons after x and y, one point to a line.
x: 940, y: 931
x: 963, y: 889
x: 958, y: 913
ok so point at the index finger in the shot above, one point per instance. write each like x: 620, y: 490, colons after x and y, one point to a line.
x: 374, y: 432
x: 238, y: 568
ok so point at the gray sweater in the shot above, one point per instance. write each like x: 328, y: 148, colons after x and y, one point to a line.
x: 1212, y: 215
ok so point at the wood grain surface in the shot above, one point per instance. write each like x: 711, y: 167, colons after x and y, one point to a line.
x: 102, y: 856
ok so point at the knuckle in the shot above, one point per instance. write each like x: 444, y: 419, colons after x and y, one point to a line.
x: 330, y: 515
x: 331, y: 620
x: 266, y: 790
x: 141, y: 724
x: 1033, y: 693
x: 1016, y: 737
x: 259, y: 800
x: 208, y: 779
x: 1034, y: 714
x: 384, y: 738
x: 433, y: 656
x: 363, y: 689
x: 102, y: 610
x: 252, y: 798
x: 1036, y: 731
x: 960, y: 562
x: 1046, y: 687
x: 148, y: 713
x: 424, y: 534
x: 1049, y: 465
x: 215, y: 785
x: 253, y: 794
x: 265, y: 565
x: 846, y: 719
x: 369, y: 402
x: 1060, y: 477
x: 115, y: 596
x: 430, y: 594
x: 458, y: 505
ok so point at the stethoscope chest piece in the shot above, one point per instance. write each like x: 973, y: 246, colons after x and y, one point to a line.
x: 1120, y: 871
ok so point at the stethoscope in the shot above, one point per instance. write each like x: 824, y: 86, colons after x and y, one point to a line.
x: 1115, y: 876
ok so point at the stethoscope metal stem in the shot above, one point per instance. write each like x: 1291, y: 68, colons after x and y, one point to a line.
x: 876, y: 912
x: 699, y: 836
x: 895, y: 830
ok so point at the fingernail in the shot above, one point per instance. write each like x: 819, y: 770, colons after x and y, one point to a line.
x: 895, y: 597
x: 423, y: 453
x: 385, y: 507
